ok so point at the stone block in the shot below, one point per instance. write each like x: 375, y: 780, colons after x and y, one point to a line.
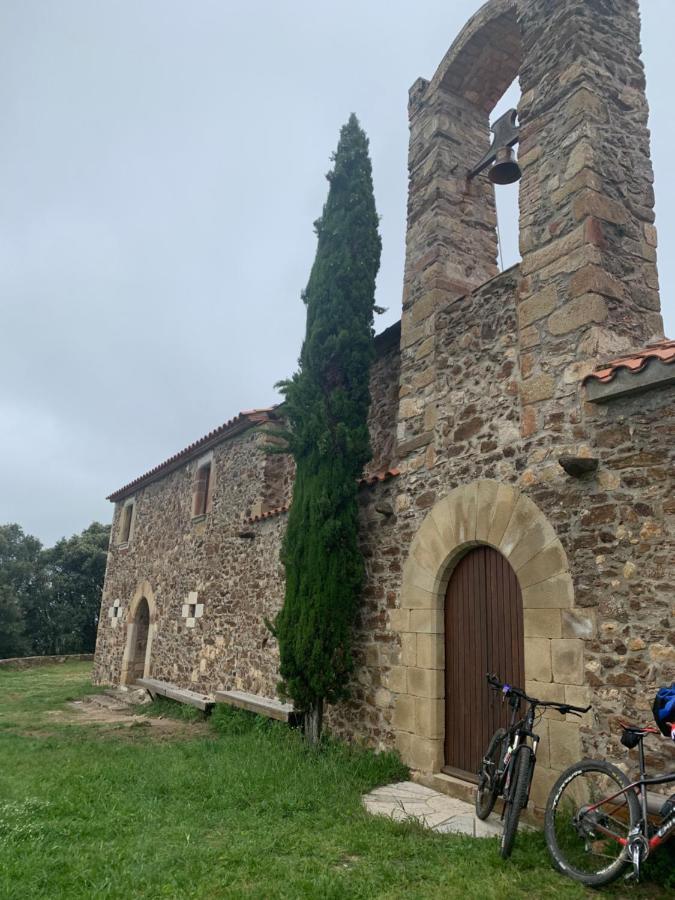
x: 578, y: 312
x: 430, y: 651
x: 416, y: 575
x: 425, y: 754
x: 567, y: 657
x: 565, y: 741
x: 580, y: 695
x: 544, y: 748
x: 486, y: 497
x: 403, y: 718
x: 542, y: 623
x: 409, y: 649
x: 544, y: 565
x: 396, y: 679
x: 528, y: 337
x: 543, y: 781
x: 403, y: 743
x: 538, y: 387
x: 414, y: 597
x: 594, y: 280
x: 399, y: 620
x: 578, y: 623
x: 443, y: 518
x: 553, y: 251
x: 429, y: 717
x: 538, y: 659
x: 383, y: 698
x: 464, y: 513
x: 592, y: 203
x: 553, y: 593
x: 426, y: 683
x: 527, y: 533
x: 534, y: 308
x: 429, y: 549
x: 504, y: 504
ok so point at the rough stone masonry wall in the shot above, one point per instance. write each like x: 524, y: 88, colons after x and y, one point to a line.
x: 237, y: 579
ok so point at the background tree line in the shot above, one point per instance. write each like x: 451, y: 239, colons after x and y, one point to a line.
x: 50, y: 597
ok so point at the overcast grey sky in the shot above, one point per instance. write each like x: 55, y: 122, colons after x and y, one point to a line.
x: 161, y: 164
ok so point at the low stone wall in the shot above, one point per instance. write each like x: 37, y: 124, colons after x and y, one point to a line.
x: 27, y: 662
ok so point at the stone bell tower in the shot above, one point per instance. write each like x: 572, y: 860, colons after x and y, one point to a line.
x: 587, y: 286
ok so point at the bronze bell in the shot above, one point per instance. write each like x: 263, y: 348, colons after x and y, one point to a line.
x: 505, y: 169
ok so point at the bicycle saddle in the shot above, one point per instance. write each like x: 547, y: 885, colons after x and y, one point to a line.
x: 633, y: 734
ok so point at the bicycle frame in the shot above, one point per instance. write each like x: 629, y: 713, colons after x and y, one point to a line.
x: 638, y: 836
x: 518, y: 730
x: 662, y: 833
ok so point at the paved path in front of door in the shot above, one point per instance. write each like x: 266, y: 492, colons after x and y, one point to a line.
x: 410, y: 801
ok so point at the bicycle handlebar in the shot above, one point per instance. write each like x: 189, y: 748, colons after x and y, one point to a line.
x: 508, y: 690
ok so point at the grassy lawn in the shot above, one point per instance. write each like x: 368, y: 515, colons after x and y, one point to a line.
x: 236, y: 807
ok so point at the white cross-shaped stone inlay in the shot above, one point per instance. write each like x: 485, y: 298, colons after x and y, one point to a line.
x: 114, y: 613
x: 192, y: 610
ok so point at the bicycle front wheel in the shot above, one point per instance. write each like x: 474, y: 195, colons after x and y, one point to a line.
x: 515, y: 802
x: 588, y: 820
x: 488, y: 788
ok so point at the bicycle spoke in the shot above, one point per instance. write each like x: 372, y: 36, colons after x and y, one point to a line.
x: 589, y: 836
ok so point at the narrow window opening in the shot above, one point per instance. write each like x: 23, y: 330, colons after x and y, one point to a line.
x: 506, y: 195
x: 126, y: 523
x: 201, y: 491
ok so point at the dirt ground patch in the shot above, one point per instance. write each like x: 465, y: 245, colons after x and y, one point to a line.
x: 114, y: 714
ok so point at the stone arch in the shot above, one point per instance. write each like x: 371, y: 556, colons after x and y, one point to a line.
x: 485, y: 57
x: 142, y: 594
x: 501, y: 516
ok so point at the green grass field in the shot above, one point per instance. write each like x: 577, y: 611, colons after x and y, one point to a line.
x: 236, y: 807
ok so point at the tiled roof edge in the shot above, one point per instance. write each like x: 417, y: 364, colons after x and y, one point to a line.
x: 634, y: 362
x: 239, y: 423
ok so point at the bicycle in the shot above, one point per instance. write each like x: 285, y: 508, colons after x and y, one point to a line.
x: 597, y: 820
x: 508, y: 765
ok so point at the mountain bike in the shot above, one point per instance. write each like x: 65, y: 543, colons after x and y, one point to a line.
x: 508, y: 765
x: 598, y: 821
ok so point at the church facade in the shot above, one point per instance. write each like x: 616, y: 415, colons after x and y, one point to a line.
x: 518, y: 512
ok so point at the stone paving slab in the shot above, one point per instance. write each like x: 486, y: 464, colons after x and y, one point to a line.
x: 438, y: 812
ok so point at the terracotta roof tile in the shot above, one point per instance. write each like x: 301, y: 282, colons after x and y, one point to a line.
x: 369, y: 480
x: 244, y: 420
x: 376, y: 477
x: 270, y: 514
x: 635, y: 362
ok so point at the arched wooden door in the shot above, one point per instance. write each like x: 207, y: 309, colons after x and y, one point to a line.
x: 138, y: 637
x: 483, y: 633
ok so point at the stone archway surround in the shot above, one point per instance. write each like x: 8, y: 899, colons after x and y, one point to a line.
x: 487, y: 512
x: 143, y: 591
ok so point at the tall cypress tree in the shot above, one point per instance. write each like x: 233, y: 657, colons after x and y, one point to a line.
x: 327, y: 404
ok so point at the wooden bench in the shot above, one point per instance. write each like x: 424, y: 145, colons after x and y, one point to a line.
x: 173, y: 692
x: 262, y: 706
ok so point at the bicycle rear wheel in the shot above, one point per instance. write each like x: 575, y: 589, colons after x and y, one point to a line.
x: 584, y: 828
x: 520, y: 785
x: 488, y: 788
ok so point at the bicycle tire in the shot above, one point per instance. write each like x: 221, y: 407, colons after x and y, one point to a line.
x: 522, y: 766
x: 488, y: 789
x: 572, y: 844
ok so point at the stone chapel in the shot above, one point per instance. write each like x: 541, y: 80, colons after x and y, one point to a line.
x: 518, y: 512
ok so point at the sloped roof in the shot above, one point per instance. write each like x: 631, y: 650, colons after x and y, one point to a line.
x: 239, y: 423
x: 635, y: 362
